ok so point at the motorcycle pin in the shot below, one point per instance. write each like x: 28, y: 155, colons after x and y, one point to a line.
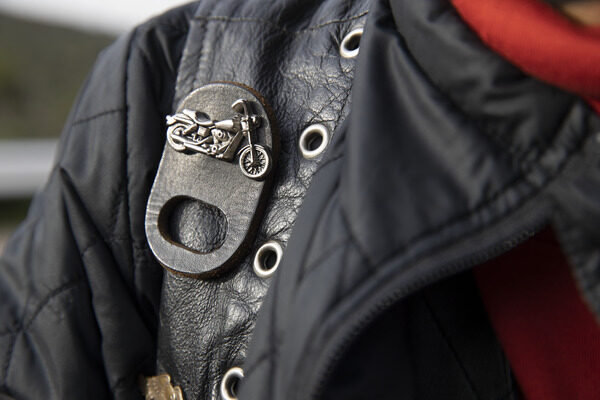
x: 197, y: 183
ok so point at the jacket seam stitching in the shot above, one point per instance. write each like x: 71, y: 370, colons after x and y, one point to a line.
x: 98, y: 115
x: 126, y: 152
x: 309, y: 245
x: 6, y: 367
x: 486, y: 204
x: 324, y: 256
x: 70, y: 284
x: 453, y: 351
x: 366, y: 265
x: 341, y: 284
x: 357, y: 244
x: 73, y: 283
x: 328, y: 162
x: 395, y: 252
x: 199, y: 54
x: 467, y: 215
x: 249, y: 370
x: 277, y: 26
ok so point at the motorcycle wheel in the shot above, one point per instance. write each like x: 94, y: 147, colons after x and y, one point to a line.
x: 173, y: 132
x: 261, y: 166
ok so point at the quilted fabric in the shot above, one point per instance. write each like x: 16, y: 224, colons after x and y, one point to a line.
x: 79, y: 287
x: 296, y: 66
x: 443, y: 156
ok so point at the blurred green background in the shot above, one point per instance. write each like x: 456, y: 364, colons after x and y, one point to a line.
x: 42, y: 68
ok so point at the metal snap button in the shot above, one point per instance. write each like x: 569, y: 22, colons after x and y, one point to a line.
x: 229, y: 383
x: 313, y: 141
x: 267, y: 259
x: 350, y: 44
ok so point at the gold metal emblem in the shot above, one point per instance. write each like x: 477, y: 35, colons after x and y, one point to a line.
x: 160, y: 388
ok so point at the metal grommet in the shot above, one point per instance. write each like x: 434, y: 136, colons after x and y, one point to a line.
x: 229, y: 383
x: 350, y: 44
x: 267, y: 259
x: 313, y: 140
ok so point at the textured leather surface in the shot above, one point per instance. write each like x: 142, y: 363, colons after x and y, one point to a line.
x: 196, y: 225
x: 205, y: 325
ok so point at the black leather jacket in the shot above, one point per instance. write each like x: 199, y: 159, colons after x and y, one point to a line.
x: 443, y: 155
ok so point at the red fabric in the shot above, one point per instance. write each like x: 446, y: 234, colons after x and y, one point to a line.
x: 551, y: 338
x: 595, y: 104
x: 540, y: 41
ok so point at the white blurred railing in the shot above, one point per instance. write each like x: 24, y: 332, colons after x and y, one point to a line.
x: 24, y: 166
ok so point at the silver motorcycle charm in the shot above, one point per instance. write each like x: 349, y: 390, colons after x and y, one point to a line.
x: 194, y: 131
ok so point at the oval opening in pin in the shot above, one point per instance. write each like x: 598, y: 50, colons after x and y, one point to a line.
x: 192, y: 224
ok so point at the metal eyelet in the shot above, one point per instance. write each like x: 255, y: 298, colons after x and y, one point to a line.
x: 313, y: 141
x: 350, y: 44
x: 229, y: 383
x: 267, y: 259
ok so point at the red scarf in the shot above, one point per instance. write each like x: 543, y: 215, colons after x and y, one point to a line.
x: 550, y: 337
x: 540, y: 41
